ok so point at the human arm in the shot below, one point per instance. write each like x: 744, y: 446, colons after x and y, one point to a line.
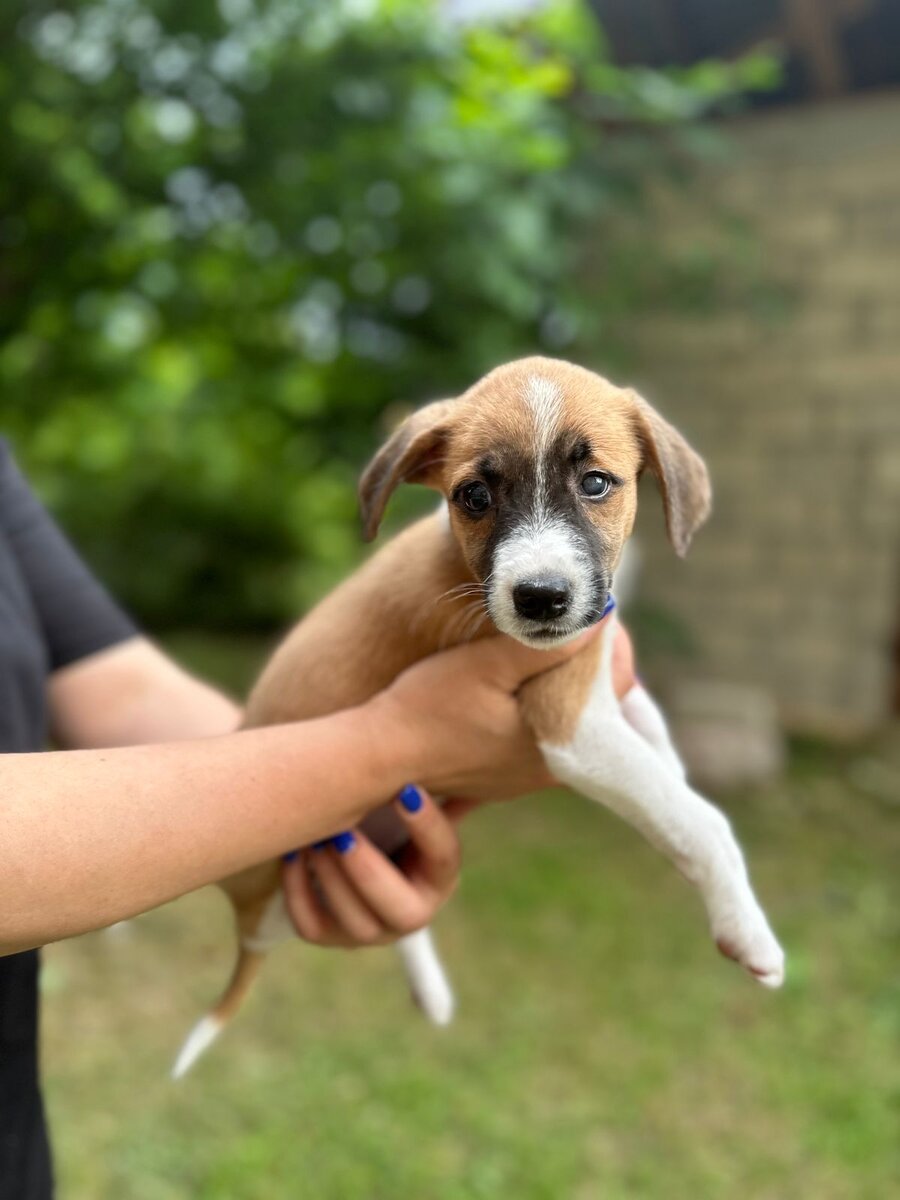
x: 93, y: 836
x: 132, y: 693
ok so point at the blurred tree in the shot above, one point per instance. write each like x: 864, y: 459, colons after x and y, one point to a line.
x: 233, y: 235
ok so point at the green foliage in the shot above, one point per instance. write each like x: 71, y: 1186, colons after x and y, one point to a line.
x: 233, y: 236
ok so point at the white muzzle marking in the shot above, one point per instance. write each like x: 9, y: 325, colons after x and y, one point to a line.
x: 539, y: 549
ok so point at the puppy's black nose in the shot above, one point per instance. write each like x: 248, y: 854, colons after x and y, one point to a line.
x: 542, y: 599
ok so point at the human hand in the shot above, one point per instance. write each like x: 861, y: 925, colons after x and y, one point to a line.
x: 457, y: 721
x: 346, y: 892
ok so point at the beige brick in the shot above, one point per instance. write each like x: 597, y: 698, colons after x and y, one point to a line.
x: 802, y: 228
x: 813, y: 324
x: 848, y: 274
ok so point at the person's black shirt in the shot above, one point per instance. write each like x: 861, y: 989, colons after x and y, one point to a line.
x: 52, y: 613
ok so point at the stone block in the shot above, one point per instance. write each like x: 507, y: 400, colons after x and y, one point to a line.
x: 728, y: 733
x: 848, y: 274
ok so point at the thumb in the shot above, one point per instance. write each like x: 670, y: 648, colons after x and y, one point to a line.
x: 514, y: 663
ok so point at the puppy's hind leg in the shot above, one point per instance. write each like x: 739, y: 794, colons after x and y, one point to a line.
x: 426, y: 976
x: 261, y: 922
x: 208, y: 1028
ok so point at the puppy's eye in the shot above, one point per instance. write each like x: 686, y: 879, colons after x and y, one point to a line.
x: 476, y: 497
x: 596, y: 484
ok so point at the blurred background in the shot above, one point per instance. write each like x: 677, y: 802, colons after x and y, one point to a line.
x: 238, y: 241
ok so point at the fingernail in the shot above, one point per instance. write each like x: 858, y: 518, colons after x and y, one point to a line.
x: 323, y: 845
x: 344, y: 842
x: 291, y: 856
x: 610, y: 605
x: 411, y: 798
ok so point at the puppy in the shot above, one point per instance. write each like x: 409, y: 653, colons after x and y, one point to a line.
x: 538, y: 464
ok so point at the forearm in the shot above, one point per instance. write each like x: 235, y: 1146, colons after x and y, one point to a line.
x: 93, y: 836
x: 133, y: 693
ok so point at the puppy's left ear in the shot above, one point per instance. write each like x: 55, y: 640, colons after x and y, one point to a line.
x: 412, y: 454
x: 680, y: 472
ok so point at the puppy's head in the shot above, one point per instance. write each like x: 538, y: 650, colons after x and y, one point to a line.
x: 539, y: 463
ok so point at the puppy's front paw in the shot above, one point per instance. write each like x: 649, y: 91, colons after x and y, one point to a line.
x: 745, y: 937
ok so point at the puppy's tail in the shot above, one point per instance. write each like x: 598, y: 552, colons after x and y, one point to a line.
x: 209, y: 1027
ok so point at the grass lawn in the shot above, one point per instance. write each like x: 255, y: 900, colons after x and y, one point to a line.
x: 602, y: 1051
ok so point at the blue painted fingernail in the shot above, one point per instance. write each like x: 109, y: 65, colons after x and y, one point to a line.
x: 610, y: 605
x: 323, y: 845
x: 291, y: 856
x: 344, y: 842
x: 411, y: 798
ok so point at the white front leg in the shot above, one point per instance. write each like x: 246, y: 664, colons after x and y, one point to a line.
x: 633, y: 774
x: 642, y: 713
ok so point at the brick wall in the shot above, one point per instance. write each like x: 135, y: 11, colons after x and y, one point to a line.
x: 795, y: 582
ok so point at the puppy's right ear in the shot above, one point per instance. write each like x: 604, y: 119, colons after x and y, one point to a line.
x: 412, y: 454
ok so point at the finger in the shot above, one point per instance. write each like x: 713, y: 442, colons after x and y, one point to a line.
x: 433, y: 854
x: 384, y: 888
x: 513, y: 663
x: 458, y: 807
x: 623, y: 674
x: 310, y: 919
x: 344, y: 901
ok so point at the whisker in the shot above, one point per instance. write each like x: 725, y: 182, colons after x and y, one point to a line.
x: 462, y: 624
x: 476, y: 620
x: 467, y: 588
x: 459, y: 622
x: 460, y: 591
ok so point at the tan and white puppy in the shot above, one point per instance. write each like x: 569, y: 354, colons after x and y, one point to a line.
x: 539, y: 464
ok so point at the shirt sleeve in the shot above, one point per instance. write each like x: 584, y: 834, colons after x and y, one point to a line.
x: 77, y: 615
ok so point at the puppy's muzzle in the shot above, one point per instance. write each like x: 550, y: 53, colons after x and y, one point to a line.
x: 542, y: 599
